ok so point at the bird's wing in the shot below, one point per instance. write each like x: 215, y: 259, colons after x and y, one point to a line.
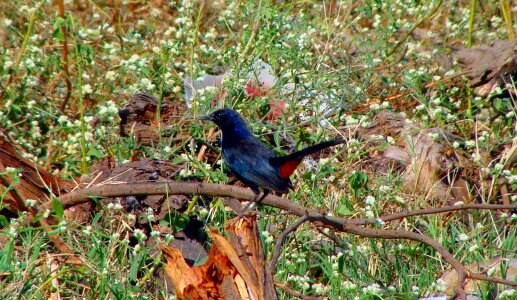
x: 250, y: 161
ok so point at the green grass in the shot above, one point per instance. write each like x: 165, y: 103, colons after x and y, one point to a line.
x: 338, y: 54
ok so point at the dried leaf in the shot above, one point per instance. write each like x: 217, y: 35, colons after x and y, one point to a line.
x: 35, y: 183
x: 490, y: 66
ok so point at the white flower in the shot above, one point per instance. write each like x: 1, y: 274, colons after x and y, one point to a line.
x: 420, y: 107
x: 10, y: 170
x: 384, y: 188
x: 139, y: 234
x: 87, y: 230
x: 508, y: 294
x: 474, y: 247
x: 476, y: 157
x: 370, y: 200
x: 375, y: 106
x: 29, y: 63
x: 88, y: 136
x: 390, y: 140
x: 62, y: 226
x: 136, y: 249
x: 110, y: 75
x: 87, y: 89
x: 134, y: 58
x: 470, y: 144
x: 463, y: 237
x: 319, y: 288
x: 147, y: 84
x: 349, y: 285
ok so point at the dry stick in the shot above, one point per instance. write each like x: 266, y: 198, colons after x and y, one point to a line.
x: 80, y: 196
x: 340, y: 224
x: 65, y: 57
x: 431, y: 211
x: 333, y: 238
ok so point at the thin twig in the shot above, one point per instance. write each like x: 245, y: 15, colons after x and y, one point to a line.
x: 281, y: 239
x: 483, y: 277
x: 432, y: 211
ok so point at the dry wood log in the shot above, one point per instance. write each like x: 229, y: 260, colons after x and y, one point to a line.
x: 235, y: 268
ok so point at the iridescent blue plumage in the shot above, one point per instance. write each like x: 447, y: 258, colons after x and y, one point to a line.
x: 251, y: 161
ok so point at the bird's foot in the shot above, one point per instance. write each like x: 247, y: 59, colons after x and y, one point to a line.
x: 244, y: 213
x: 256, y: 199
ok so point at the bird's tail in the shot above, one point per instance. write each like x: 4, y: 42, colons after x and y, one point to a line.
x: 288, y: 163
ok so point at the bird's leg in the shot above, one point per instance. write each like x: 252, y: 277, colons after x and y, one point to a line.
x: 256, y: 199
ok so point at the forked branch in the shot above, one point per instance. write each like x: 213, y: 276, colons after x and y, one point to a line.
x: 353, y: 226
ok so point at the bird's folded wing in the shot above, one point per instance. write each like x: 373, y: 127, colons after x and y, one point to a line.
x: 253, y: 165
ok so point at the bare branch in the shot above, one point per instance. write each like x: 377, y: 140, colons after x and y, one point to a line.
x: 432, y: 211
x: 281, y: 239
x: 307, y: 214
x: 483, y: 277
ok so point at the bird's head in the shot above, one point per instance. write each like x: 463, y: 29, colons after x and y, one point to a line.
x: 226, y: 119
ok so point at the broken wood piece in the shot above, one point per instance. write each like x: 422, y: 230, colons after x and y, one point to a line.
x: 235, y: 268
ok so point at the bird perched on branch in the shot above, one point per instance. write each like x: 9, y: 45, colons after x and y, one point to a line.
x: 254, y: 163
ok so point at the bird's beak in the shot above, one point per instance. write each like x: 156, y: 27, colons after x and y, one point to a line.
x: 205, y: 118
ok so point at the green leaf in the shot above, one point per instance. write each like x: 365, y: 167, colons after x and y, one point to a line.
x: 58, y: 208
x: 358, y: 182
x: 343, y: 210
x: 175, y: 220
x: 3, y: 221
x: 135, y: 267
x: 58, y: 33
x: 87, y: 52
x: 95, y: 153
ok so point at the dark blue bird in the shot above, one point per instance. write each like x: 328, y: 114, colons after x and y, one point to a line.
x: 254, y: 163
